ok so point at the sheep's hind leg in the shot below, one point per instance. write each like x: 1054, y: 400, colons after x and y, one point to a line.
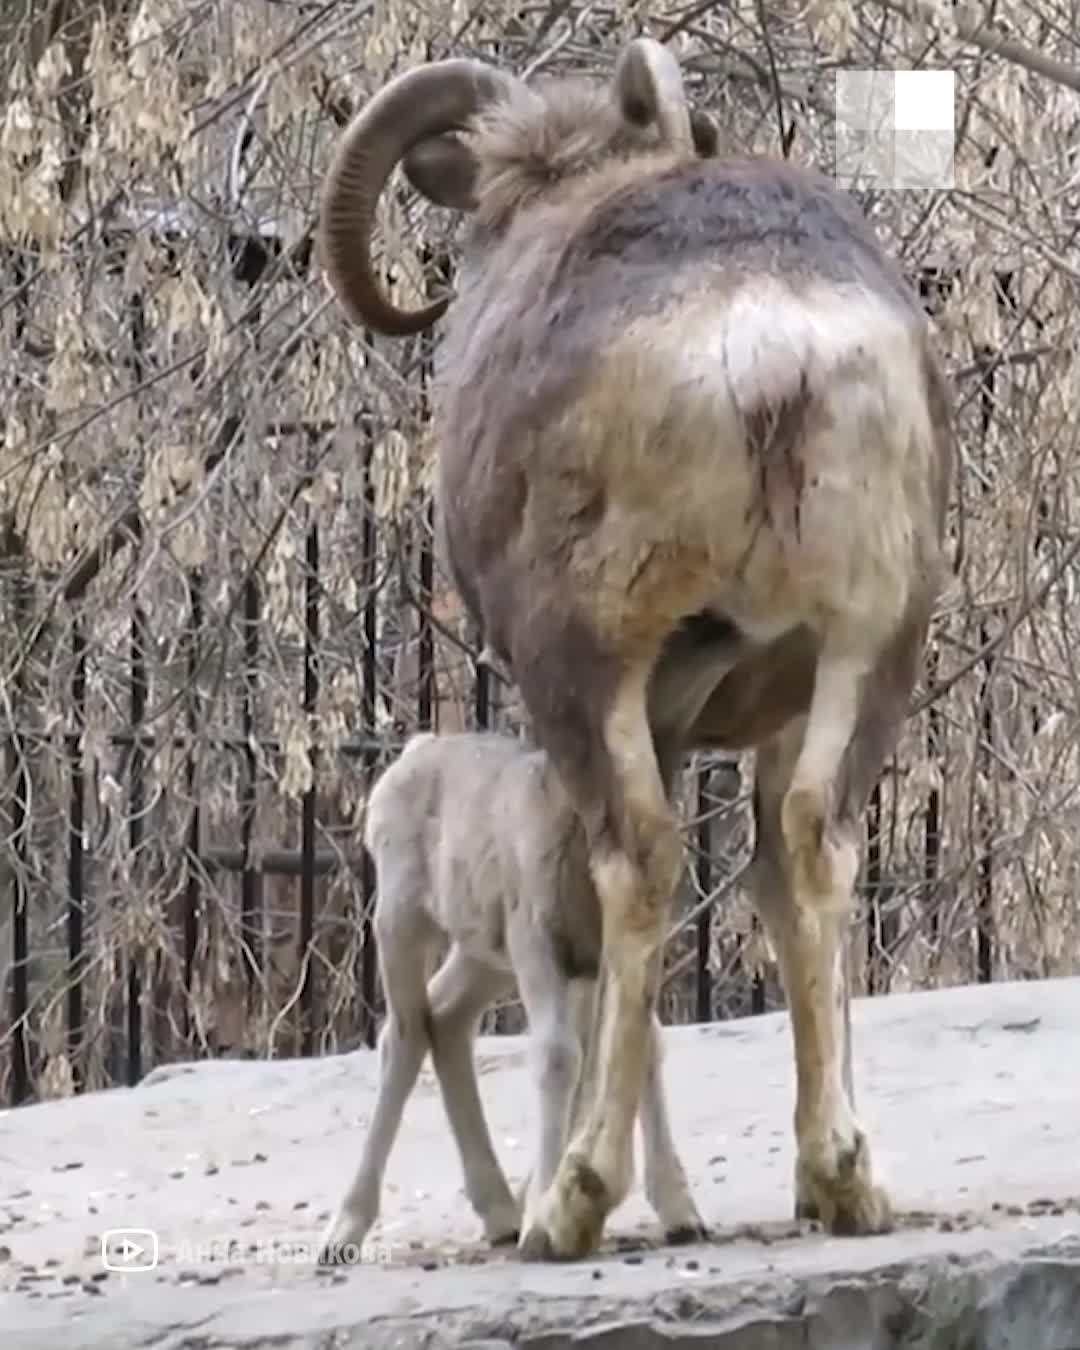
x: 635, y: 858
x: 802, y: 880
x: 551, y: 1000
x: 458, y: 994
x: 666, y: 1187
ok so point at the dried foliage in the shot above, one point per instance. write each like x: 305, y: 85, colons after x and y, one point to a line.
x: 217, y: 582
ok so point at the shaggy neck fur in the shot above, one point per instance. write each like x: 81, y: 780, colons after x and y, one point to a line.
x: 545, y: 141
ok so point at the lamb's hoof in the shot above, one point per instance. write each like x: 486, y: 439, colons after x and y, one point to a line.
x: 508, y: 1239
x: 844, y: 1198
x: 571, y: 1218
x: 340, y: 1254
x: 685, y: 1234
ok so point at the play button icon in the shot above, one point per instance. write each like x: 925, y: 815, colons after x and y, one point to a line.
x: 129, y: 1249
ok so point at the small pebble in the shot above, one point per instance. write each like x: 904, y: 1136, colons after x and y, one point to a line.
x: 262, y: 1204
x: 211, y: 1170
x: 89, y: 1288
x: 178, y: 1175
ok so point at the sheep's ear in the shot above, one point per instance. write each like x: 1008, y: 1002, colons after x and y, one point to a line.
x: 706, y: 137
x: 648, y: 87
x: 443, y: 170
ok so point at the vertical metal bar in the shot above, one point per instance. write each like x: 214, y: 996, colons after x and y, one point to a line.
x: 17, y: 773
x: 193, y: 890
x: 482, y: 698
x: 704, y: 874
x: 425, y: 699
x: 307, y: 825
x: 984, y: 924
x: 75, y: 863
x: 20, y: 952
x: 136, y: 780
x: 425, y: 694
x: 873, y: 889
x: 136, y: 807
x: 932, y: 819
x: 251, y: 916
x: 368, y: 955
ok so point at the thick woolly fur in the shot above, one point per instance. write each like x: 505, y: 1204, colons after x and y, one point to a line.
x: 559, y: 134
x: 481, y: 861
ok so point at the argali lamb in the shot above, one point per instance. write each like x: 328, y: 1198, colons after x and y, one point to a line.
x: 477, y: 850
x: 691, y: 426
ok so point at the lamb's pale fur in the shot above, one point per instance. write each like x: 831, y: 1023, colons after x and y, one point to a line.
x: 695, y: 448
x: 478, y: 852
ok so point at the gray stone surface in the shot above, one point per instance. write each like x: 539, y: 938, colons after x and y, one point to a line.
x: 972, y: 1098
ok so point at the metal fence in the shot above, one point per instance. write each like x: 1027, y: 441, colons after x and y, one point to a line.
x: 181, y: 872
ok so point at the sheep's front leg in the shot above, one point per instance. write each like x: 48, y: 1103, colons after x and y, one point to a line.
x: 635, y: 858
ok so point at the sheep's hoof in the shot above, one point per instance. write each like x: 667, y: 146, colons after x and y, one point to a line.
x: 572, y: 1214
x: 844, y: 1197
x: 807, y: 1209
x: 507, y: 1239
x: 685, y: 1234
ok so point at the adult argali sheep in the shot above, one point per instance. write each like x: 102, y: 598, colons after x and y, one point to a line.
x: 477, y: 848
x: 691, y: 426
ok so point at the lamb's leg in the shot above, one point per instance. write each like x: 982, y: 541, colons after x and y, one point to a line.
x: 811, y: 783
x: 551, y: 1001
x: 666, y: 1187
x: 459, y: 993
x: 609, y: 767
x: 402, y: 1045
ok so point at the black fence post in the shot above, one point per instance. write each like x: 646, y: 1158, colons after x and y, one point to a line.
x: 368, y: 954
x: 703, y: 868
x: 136, y: 823
x: 251, y: 898
x: 76, y: 911
x: 985, y: 933
x: 932, y: 817
x: 193, y: 889
x: 307, y: 822
x: 20, y: 929
x: 874, y: 930
x: 425, y: 694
